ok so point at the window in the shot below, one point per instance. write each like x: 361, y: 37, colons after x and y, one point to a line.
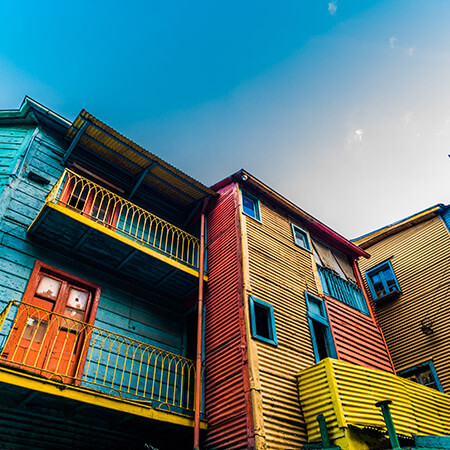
x: 321, y: 336
x: 301, y: 237
x: 424, y: 374
x: 250, y: 206
x: 337, y: 277
x: 262, y: 321
x: 382, y: 281
x: 90, y: 200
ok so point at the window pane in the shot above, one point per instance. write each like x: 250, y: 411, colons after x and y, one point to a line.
x: 389, y: 278
x: 35, y: 330
x: 378, y: 285
x: 249, y: 206
x: 315, y: 307
x: 262, y: 321
x: 48, y: 287
x: 77, y: 299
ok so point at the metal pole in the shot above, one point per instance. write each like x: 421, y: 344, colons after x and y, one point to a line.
x: 198, y: 362
x: 384, y: 404
x: 326, y: 443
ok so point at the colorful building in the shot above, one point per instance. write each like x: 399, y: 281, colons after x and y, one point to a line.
x: 408, y: 277
x: 100, y: 260
x: 105, y: 250
x: 291, y: 334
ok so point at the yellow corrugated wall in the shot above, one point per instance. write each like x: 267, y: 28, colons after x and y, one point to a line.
x: 420, y: 257
x: 349, y: 395
x: 279, y: 273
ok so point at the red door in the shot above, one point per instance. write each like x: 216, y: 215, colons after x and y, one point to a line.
x: 51, y: 333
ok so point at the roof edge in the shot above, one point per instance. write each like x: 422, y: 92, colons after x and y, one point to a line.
x: 322, y: 230
x: 375, y: 236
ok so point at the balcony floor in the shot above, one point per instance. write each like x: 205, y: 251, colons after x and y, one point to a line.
x: 43, y: 413
x: 62, y: 228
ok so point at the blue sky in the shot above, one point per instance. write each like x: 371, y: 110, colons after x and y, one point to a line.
x: 342, y: 106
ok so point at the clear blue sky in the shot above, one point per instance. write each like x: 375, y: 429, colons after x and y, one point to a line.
x: 342, y: 106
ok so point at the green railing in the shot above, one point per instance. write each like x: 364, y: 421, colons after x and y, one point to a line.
x: 343, y: 290
x: 73, y: 352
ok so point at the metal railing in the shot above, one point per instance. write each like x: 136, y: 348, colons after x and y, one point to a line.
x: 343, y: 290
x: 118, y: 214
x: 73, y: 352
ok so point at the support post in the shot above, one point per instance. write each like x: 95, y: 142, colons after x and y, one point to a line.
x: 326, y: 443
x: 384, y: 404
x: 198, y: 361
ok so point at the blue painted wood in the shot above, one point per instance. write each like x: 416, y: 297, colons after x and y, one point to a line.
x: 12, y: 142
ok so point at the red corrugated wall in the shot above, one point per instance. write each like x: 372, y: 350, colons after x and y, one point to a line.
x: 357, y: 338
x: 227, y: 401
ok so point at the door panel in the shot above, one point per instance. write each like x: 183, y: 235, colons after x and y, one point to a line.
x: 50, y: 334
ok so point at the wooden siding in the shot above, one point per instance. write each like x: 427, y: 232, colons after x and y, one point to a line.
x: 420, y: 258
x: 357, y: 338
x: 12, y: 141
x: 227, y: 393
x: 280, y: 272
x: 124, y: 308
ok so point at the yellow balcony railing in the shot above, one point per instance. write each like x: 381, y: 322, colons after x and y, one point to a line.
x: 72, y: 352
x: 102, y: 206
x: 346, y: 395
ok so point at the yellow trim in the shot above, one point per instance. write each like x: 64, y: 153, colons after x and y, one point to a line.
x: 105, y: 230
x: 84, y: 395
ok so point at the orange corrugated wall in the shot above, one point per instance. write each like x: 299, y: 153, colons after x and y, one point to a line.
x: 227, y: 401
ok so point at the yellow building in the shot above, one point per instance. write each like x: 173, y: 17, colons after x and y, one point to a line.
x: 408, y: 276
x: 290, y: 334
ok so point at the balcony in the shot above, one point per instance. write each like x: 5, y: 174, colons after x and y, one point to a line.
x: 95, y: 224
x: 346, y: 395
x: 95, y: 365
x: 345, y: 291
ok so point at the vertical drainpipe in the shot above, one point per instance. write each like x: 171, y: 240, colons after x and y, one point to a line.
x: 198, y: 361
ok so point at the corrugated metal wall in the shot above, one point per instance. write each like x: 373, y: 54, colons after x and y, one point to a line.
x: 346, y: 394
x: 420, y: 257
x: 280, y: 272
x: 358, y: 340
x: 227, y: 395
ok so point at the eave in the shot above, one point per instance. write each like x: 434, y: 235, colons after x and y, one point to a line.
x: 316, y: 227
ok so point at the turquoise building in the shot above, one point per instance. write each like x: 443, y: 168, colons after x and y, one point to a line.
x: 101, y: 263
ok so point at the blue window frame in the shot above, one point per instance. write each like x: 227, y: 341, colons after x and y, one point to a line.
x: 423, y: 373
x: 250, y: 206
x: 322, y: 338
x: 301, y: 237
x: 381, y: 280
x: 262, y: 320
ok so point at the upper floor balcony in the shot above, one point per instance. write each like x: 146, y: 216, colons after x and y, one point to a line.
x: 347, y: 292
x: 95, y: 224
